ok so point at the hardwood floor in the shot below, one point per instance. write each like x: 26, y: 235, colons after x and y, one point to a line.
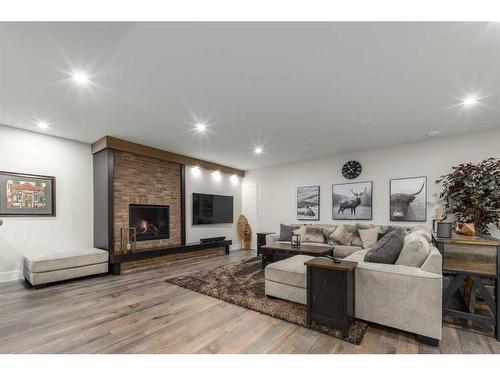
x: 140, y: 313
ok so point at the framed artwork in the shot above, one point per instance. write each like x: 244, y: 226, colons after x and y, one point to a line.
x: 27, y: 195
x: 308, y: 203
x: 352, y: 201
x: 408, y: 199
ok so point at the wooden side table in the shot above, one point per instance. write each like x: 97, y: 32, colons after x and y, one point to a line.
x: 471, y: 262
x: 330, y: 292
x: 261, y: 241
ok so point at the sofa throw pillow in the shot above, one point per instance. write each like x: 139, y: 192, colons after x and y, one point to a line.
x: 286, y: 232
x: 356, y: 241
x: 314, y: 234
x: 329, y: 230
x: 415, y: 250
x: 387, y: 249
x: 368, y: 237
x: 301, y: 231
x: 343, y: 235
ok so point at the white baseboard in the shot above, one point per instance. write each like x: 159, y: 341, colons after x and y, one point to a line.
x: 9, y: 276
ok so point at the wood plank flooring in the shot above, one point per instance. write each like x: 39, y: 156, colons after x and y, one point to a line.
x: 140, y: 313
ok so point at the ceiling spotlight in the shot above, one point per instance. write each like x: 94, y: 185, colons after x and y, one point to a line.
x: 42, y: 125
x: 471, y: 100
x: 433, y: 133
x: 258, y: 150
x: 80, y: 78
x: 201, y: 127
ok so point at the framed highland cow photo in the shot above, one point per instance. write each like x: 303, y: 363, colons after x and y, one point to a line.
x: 352, y: 201
x: 27, y: 195
x: 308, y: 203
x: 408, y: 199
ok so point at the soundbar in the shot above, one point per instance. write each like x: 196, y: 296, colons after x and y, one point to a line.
x: 212, y: 239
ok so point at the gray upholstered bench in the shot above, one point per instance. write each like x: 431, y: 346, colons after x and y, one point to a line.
x: 43, y: 268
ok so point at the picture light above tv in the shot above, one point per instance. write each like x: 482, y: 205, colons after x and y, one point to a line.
x: 212, y: 209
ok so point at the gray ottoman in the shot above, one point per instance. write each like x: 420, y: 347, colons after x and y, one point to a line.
x: 286, y: 279
x: 43, y: 268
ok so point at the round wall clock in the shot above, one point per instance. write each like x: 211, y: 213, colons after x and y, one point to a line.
x: 351, y: 169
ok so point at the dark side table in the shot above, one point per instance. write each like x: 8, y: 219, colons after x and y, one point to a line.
x: 330, y: 292
x: 261, y: 241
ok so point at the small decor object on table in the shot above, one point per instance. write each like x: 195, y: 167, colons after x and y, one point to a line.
x: 330, y: 292
x: 27, y: 195
x: 244, y: 232
x: 352, y: 201
x: 471, y: 194
x: 295, y: 240
x: 408, y: 199
x: 308, y: 203
x: 444, y: 229
x: 467, y: 229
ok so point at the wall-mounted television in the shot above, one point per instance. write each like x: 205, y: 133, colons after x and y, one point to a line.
x: 212, y: 209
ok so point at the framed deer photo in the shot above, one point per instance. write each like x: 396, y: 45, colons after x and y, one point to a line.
x: 352, y: 201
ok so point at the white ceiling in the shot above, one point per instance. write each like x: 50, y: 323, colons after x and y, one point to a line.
x: 301, y: 90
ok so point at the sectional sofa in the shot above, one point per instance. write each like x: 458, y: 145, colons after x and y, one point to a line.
x: 406, y: 297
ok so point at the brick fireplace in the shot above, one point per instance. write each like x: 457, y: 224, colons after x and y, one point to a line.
x: 128, y: 174
x: 146, y: 181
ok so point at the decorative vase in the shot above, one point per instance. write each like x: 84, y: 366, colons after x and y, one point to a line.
x: 244, y: 232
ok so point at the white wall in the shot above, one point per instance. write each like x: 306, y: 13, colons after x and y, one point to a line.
x: 206, y: 182
x: 71, y: 163
x: 432, y: 158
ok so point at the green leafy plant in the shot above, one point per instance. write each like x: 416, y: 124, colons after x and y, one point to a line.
x: 471, y: 193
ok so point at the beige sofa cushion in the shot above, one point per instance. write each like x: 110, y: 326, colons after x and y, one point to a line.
x: 313, y: 234
x: 301, y: 231
x: 57, y: 260
x: 369, y: 236
x: 290, y: 271
x: 414, y: 252
x: 343, y: 251
x: 343, y: 235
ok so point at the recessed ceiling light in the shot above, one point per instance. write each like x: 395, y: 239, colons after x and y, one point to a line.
x: 433, y: 133
x: 42, y: 125
x: 470, y: 100
x: 80, y: 78
x: 258, y: 150
x: 201, y: 127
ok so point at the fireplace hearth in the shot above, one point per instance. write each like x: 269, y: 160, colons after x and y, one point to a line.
x: 151, y: 222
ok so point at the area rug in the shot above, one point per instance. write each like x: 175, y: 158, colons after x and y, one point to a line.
x: 242, y: 284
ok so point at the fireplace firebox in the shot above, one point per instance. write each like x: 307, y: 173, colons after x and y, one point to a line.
x: 151, y: 222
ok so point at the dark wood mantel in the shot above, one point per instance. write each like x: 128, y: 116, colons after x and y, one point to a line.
x: 138, y: 149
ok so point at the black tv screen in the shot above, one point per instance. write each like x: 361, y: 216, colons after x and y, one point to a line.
x: 212, y: 209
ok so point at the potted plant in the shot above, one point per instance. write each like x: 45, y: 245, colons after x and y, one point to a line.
x: 471, y: 193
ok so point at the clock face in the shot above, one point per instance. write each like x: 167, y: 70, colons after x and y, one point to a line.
x: 351, y: 169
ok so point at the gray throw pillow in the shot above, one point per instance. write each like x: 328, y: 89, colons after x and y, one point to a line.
x: 387, y: 249
x: 314, y: 234
x: 286, y: 231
